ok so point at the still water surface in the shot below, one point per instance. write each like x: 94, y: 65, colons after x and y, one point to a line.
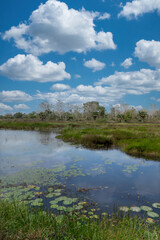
x: 106, y: 178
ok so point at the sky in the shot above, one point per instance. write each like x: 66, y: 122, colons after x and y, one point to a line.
x: 79, y: 51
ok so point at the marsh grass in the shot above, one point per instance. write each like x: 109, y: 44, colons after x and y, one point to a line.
x: 17, y: 221
x: 141, y: 140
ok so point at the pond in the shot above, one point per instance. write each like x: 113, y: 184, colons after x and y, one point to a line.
x: 43, y: 171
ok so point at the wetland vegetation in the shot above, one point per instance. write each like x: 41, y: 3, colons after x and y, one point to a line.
x: 72, y: 179
x: 137, y: 139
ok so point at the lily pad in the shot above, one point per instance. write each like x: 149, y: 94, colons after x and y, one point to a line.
x: 56, y: 194
x: 78, y: 207
x: 61, y: 208
x: 37, y: 202
x: 156, y: 205
x: 38, y: 193
x: 70, y: 209
x: 58, y: 190
x: 67, y: 202
x: 49, y: 195
x: 82, y: 203
x: 124, y: 209
x: 135, y: 209
x: 153, y: 214
x: 54, y: 206
x: 146, y: 208
x: 50, y: 190
x: 53, y: 202
x: 59, y: 199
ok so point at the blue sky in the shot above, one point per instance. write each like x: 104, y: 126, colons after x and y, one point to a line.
x: 79, y: 51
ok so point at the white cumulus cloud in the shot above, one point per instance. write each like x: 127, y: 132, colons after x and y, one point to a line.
x: 104, y: 16
x: 127, y: 63
x: 60, y: 87
x: 149, y: 52
x: 94, y: 64
x: 14, y: 96
x: 139, y: 7
x: 30, y: 68
x: 4, y: 107
x: 21, y: 106
x: 82, y: 94
x: 53, y: 27
x: 136, y: 82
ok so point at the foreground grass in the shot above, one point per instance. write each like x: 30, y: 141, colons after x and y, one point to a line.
x: 18, y: 222
x: 142, y: 140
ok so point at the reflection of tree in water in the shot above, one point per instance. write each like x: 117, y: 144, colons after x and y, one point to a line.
x: 48, y: 138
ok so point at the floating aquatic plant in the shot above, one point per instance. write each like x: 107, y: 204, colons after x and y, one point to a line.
x: 156, y: 205
x: 124, y: 209
x: 78, y: 207
x: 61, y: 208
x: 54, y: 206
x: 153, y: 214
x: 50, y: 195
x: 37, y: 202
x: 82, y: 203
x: 67, y: 201
x: 146, y: 208
x: 135, y: 209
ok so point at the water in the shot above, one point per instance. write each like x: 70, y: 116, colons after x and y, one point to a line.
x: 106, y: 179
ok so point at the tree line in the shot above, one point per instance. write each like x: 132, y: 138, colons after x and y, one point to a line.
x: 88, y: 111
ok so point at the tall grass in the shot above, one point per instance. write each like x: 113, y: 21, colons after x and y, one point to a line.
x: 17, y: 221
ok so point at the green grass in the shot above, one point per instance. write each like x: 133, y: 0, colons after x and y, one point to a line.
x: 33, y: 125
x: 17, y: 221
x: 141, y: 140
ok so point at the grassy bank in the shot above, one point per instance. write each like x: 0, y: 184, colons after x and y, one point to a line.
x: 33, y: 125
x: 18, y: 222
x: 142, y: 140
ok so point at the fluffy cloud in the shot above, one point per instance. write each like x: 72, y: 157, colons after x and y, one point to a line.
x: 139, y: 7
x: 53, y: 27
x: 82, y: 94
x: 60, y: 87
x: 127, y: 63
x: 21, y: 106
x: 14, y: 96
x: 148, y: 51
x: 4, y: 107
x: 30, y: 68
x: 104, y: 16
x: 94, y: 65
x: 136, y: 82
x: 110, y: 89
